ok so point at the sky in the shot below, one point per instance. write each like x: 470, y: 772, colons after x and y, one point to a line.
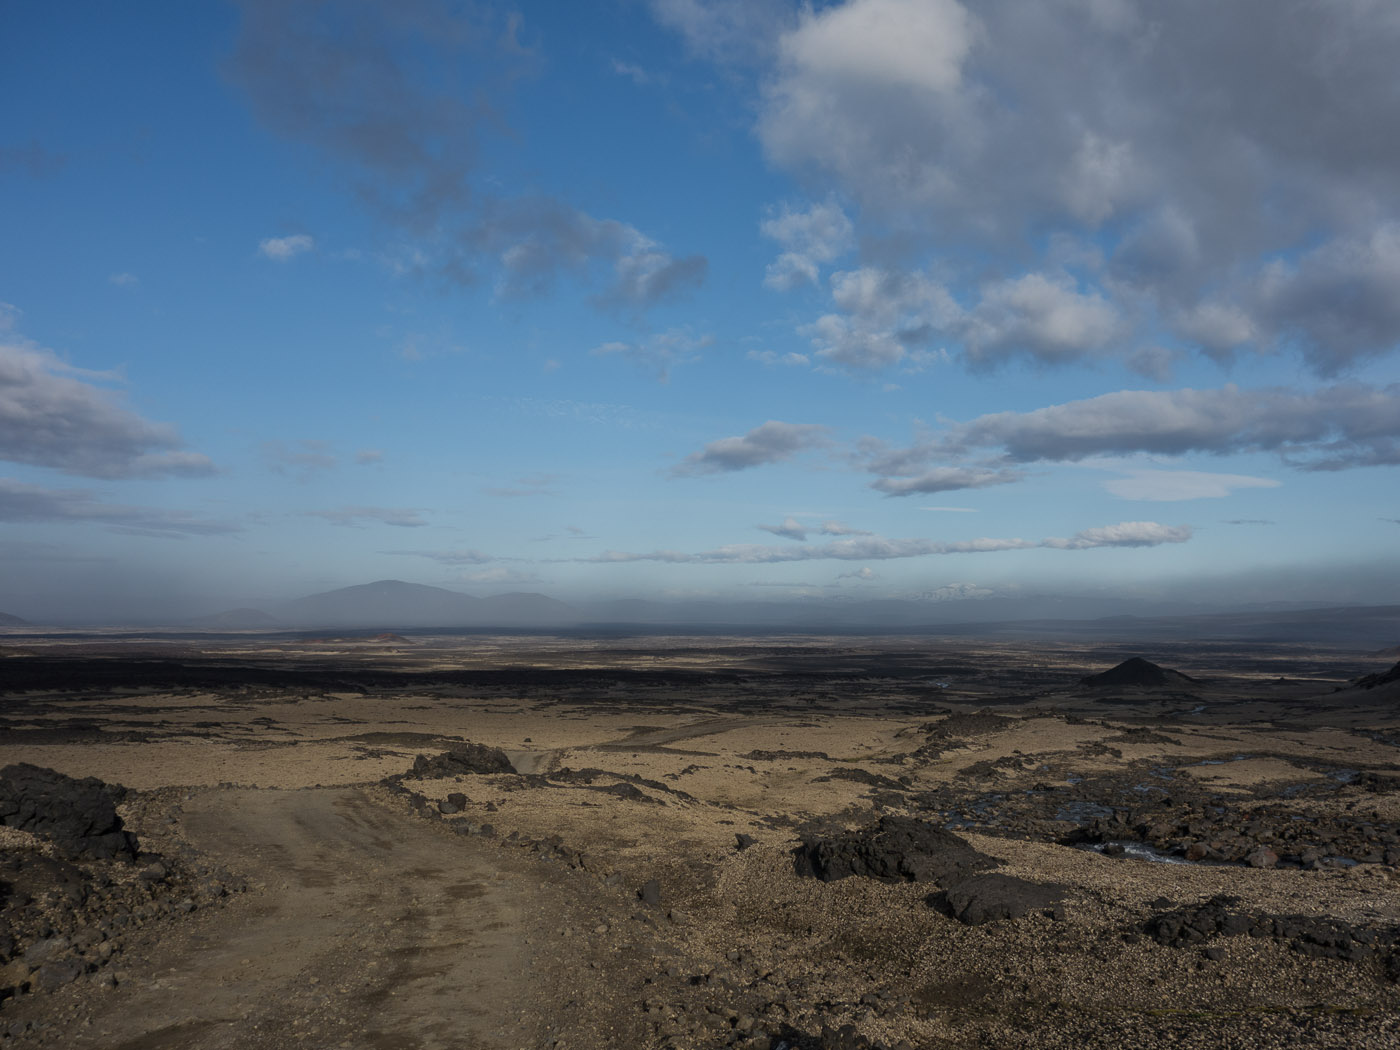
x: 676, y: 299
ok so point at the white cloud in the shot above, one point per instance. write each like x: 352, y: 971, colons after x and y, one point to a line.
x: 945, y: 479
x: 809, y: 238
x: 1232, y: 180
x: 124, y: 280
x: 452, y: 557
x: 1043, y: 316
x: 791, y: 529
x: 768, y: 357
x: 1174, y: 485
x: 878, y: 548
x: 773, y: 442
x: 284, y: 248
x: 660, y: 352
x: 1328, y: 429
x: 31, y: 503
x: 357, y: 517
x: 54, y: 415
x: 885, y: 316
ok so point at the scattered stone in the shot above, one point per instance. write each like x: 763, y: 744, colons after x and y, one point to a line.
x: 650, y: 893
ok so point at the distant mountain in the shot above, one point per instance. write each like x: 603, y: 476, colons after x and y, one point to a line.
x: 237, y: 620
x: 6, y: 620
x: 393, y: 603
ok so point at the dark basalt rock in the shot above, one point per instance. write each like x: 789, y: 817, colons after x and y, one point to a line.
x: 463, y: 758
x: 1313, y: 937
x: 79, y: 816
x: 986, y: 898
x: 896, y: 849
x: 1136, y: 672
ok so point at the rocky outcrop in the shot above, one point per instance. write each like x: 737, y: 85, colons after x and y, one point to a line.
x: 462, y: 759
x: 79, y: 816
x: 896, y: 849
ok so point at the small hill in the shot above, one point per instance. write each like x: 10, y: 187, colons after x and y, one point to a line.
x: 1136, y: 673
x: 6, y: 620
x: 237, y: 620
x: 1374, y: 681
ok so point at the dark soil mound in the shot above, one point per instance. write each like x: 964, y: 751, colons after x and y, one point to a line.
x: 897, y: 849
x: 1136, y: 672
x: 1371, y: 681
x: 986, y: 898
x: 80, y: 816
x: 463, y: 758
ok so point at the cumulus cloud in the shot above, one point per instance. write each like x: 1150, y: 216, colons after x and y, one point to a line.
x: 358, y: 517
x: 55, y: 415
x: 878, y: 548
x: 809, y: 239
x: 31, y: 503
x: 1175, y: 485
x: 945, y: 479
x: 1221, y: 160
x: 397, y: 95
x: 660, y: 352
x: 1043, y: 316
x: 884, y: 317
x: 773, y: 442
x: 284, y: 248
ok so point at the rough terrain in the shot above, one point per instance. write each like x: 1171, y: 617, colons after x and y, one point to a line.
x: 811, y: 842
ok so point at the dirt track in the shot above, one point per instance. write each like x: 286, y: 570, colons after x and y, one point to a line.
x: 368, y: 930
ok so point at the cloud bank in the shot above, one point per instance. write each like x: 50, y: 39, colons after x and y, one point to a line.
x: 877, y: 548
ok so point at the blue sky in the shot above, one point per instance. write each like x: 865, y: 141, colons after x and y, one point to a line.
x: 697, y: 298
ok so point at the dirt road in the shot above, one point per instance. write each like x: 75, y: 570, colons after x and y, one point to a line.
x: 365, y: 929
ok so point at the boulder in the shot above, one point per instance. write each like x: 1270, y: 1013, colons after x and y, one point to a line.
x: 986, y: 898
x: 896, y: 849
x: 79, y: 816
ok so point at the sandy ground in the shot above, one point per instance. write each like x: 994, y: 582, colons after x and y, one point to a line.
x: 371, y: 919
